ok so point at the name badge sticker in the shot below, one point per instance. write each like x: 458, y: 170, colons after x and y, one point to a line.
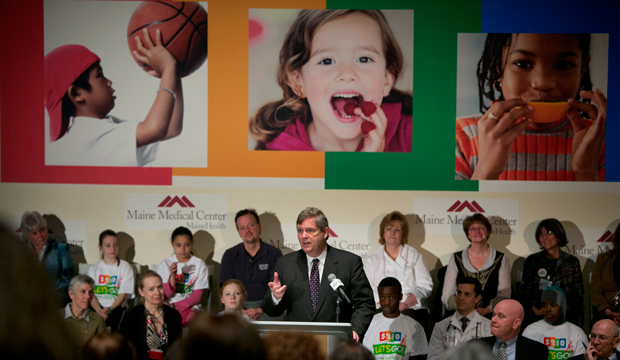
x: 544, y: 284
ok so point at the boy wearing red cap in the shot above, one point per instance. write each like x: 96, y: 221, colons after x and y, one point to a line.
x: 78, y: 99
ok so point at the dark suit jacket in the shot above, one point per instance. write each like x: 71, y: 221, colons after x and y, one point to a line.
x: 133, y: 327
x: 582, y: 356
x: 527, y: 349
x: 292, y: 270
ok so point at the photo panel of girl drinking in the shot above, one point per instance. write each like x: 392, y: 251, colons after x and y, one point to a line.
x: 539, y: 107
x: 330, y: 80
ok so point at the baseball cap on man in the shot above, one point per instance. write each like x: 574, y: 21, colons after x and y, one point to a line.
x: 63, y: 66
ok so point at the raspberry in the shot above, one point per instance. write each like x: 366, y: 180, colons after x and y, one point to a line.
x: 368, y: 108
x: 350, y: 108
x: 368, y: 126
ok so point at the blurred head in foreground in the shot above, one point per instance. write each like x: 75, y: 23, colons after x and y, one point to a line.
x: 30, y: 327
x: 292, y: 345
x: 350, y: 350
x: 109, y: 346
x: 472, y: 350
x: 222, y: 337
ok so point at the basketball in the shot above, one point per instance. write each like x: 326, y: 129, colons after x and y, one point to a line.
x: 183, y: 27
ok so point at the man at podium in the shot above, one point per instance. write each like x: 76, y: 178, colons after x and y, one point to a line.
x: 301, y: 286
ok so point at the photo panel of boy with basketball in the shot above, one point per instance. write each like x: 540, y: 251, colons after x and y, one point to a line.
x: 125, y: 83
x: 330, y: 80
x: 539, y: 107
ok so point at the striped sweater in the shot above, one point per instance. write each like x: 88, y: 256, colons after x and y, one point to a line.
x: 535, y: 155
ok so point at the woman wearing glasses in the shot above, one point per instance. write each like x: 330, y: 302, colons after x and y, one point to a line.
x: 479, y: 260
x: 551, y: 267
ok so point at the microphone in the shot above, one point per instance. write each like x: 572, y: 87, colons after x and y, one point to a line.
x: 338, y: 286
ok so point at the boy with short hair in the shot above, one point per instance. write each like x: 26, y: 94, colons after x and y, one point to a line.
x: 78, y: 99
x: 392, y: 335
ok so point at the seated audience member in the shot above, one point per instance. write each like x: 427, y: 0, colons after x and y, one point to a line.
x: 603, y: 342
x: 54, y: 256
x: 506, y: 343
x: 81, y: 321
x: 479, y: 260
x: 185, y: 276
x: 471, y: 350
x: 109, y: 346
x: 232, y: 295
x: 292, y: 345
x: 252, y: 262
x: 466, y: 324
x: 222, y: 337
x: 561, y: 337
x: 604, y: 287
x: 392, y: 335
x: 151, y: 326
x: 30, y: 327
x: 396, y: 259
x: 350, y: 350
x: 114, y: 283
x: 551, y: 266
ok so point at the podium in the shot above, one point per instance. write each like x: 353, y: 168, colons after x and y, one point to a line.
x: 328, y: 334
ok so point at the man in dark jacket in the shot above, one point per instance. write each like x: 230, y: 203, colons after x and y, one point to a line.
x: 301, y: 285
x: 603, y: 342
x: 506, y: 343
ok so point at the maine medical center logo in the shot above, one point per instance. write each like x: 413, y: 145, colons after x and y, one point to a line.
x: 595, y: 241
x: 167, y: 211
x: 607, y: 237
x: 446, y: 215
x: 171, y: 201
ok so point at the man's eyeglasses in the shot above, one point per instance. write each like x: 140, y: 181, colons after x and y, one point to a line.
x: 602, y: 338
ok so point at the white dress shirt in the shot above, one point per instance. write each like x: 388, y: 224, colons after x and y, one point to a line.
x: 321, y: 265
x: 511, y: 348
x: 408, y: 268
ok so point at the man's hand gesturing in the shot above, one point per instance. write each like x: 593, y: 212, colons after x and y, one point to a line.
x: 277, y: 289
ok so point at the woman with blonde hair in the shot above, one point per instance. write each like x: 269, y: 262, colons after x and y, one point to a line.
x: 397, y: 259
x: 151, y: 326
